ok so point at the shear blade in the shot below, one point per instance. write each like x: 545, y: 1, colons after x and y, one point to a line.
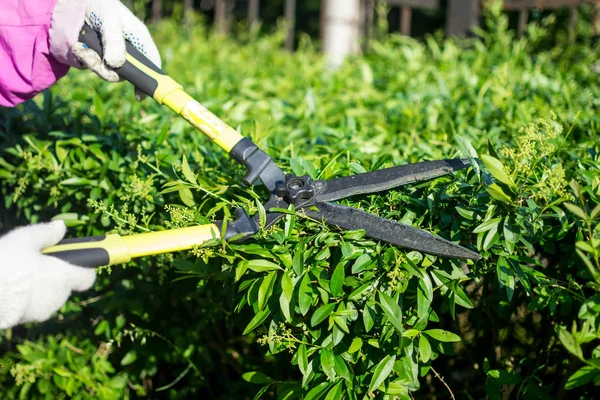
x: 388, y: 231
x: 385, y: 179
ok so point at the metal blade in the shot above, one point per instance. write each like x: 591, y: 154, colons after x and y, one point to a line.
x: 384, y: 179
x: 388, y: 231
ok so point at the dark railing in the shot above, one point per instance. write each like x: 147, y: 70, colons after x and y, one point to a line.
x: 461, y: 15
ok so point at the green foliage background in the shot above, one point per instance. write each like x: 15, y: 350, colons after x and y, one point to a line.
x: 306, y: 311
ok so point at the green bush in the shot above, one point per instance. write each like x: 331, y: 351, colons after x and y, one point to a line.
x: 304, y: 310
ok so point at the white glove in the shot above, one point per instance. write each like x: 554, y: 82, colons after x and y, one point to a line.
x: 116, y: 24
x: 33, y: 286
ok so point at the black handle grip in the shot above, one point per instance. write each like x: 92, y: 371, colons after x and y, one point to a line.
x: 89, y: 258
x: 128, y: 71
x: 90, y: 254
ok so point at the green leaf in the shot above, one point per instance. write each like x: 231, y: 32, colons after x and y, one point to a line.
x: 129, y: 358
x: 305, y: 294
x: 427, y: 286
x: 258, y: 319
x: 298, y: 260
x: 585, y: 246
x: 321, y: 313
x: 487, y: 225
x: 71, y: 219
x: 262, y: 213
x: 506, y: 277
x: 492, y: 150
x: 287, y: 286
x: 62, y: 371
x: 328, y: 363
x: 502, y: 377
x: 290, y: 221
x: 569, y: 342
x: 240, y: 270
x: 266, y: 289
x: 392, y: 311
x: 285, y: 299
x: 361, y: 263
x: 423, y: 304
x: 342, y: 369
x: 382, y: 371
x: 452, y: 305
x: 262, y: 265
x: 340, y: 322
x: 337, y: 280
x: 256, y: 377
x: 302, y: 359
x: 577, y: 211
x: 582, y: 377
x: 187, y: 197
x: 491, y: 238
x: 355, y: 345
x: 99, y: 106
x: 410, y: 333
x: 461, y: 297
x: 511, y: 231
x: 442, y: 336
x: 187, y: 171
x: 497, y: 170
x: 424, y: 349
x: 368, y: 318
x: 595, y: 212
x: 335, y: 393
x: 61, y: 153
x: 465, y: 213
x: 337, y: 335
x: 252, y: 248
x: 588, y: 263
x: 317, y: 391
x: 261, y: 392
x: 497, y: 193
x: 309, y: 375
x: 360, y: 292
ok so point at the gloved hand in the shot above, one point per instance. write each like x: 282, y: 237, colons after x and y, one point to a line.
x: 34, y: 286
x: 116, y: 24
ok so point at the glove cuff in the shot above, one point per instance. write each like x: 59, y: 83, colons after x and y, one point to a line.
x: 67, y: 20
x: 14, y: 289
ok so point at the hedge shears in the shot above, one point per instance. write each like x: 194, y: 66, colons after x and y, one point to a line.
x: 312, y: 198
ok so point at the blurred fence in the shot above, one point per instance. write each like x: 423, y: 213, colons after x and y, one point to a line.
x: 460, y: 15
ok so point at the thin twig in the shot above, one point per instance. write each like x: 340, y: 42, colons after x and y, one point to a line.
x: 89, y: 301
x: 72, y: 348
x: 444, y: 382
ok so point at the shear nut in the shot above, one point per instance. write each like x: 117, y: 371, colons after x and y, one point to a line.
x: 296, y: 189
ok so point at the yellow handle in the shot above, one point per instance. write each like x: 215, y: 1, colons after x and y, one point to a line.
x: 114, y: 249
x: 153, y: 81
x: 171, y: 93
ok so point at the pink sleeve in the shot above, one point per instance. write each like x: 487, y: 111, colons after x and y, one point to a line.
x: 26, y: 65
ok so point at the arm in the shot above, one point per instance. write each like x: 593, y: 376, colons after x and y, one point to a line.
x: 26, y: 66
x: 39, y: 41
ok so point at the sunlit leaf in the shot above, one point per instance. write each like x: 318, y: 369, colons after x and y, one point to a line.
x: 424, y: 349
x: 187, y: 171
x: 497, y: 169
x: 328, y: 363
x: 381, y: 372
x: 256, y: 377
x: 305, y: 293
x: 337, y: 279
x: 321, y: 313
x: 391, y: 310
x: 442, y: 335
